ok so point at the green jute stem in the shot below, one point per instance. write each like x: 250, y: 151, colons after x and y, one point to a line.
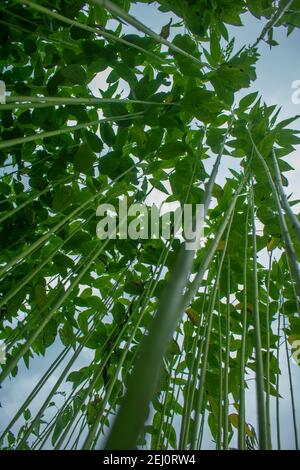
x: 262, y: 427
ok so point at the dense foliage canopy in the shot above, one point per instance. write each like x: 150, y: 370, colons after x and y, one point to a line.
x: 165, y: 330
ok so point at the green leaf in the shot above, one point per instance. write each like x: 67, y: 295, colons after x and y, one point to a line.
x: 59, y: 426
x: 4, y: 188
x: 173, y: 348
x: 247, y: 100
x: 27, y: 414
x: 158, y: 185
x: 84, y: 159
x: 202, y: 104
x: 186, y: 66
x: 75, y: 74
x: 255, y: 7
x: 63, y: 197
x: 78, y: 376
x: 40, y: 295
x: 93, y: 141
x: 172, y: 150
x: 107, y: 134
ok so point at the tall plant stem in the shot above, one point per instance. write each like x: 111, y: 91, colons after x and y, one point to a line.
x: 192, y: 380
x: 150, y: 361
x: 165, y: 402
x: 261, y: 408
x: 291, y: 255
x: 294, y: 221
x: 274, y: 20
x: 32, y: 198
x: 76, y: 24
x: 92, y: 435
x: 202, y: 426
x: 76, y: 441
x: 120, y: 13
x: 291, y: 386
x: 36, y: 390
x: 196, y: 368
x: 213, y: 176
x: 43, y: 437
x: 129, y: 421
x: 65, y: 130
x: 40, y: 266
x: 201, y: 390
x: 100, y: 369
x: 227, y: 361
x: 278, y: 380
x: 90, y: 388
x: 160, y: 333
x: 148, y: 294
x: 242, y: 412
x: 212, y: 248
x: 57, y: 227
x: 170, y: 419
x: 221, y: 379
x: 46, y: 377
x: 34, y: 335
x: 31, y: 101
x: 31, y: 321
x: 195, y: 285
x: 268, y: 414
x: 57, y: 385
